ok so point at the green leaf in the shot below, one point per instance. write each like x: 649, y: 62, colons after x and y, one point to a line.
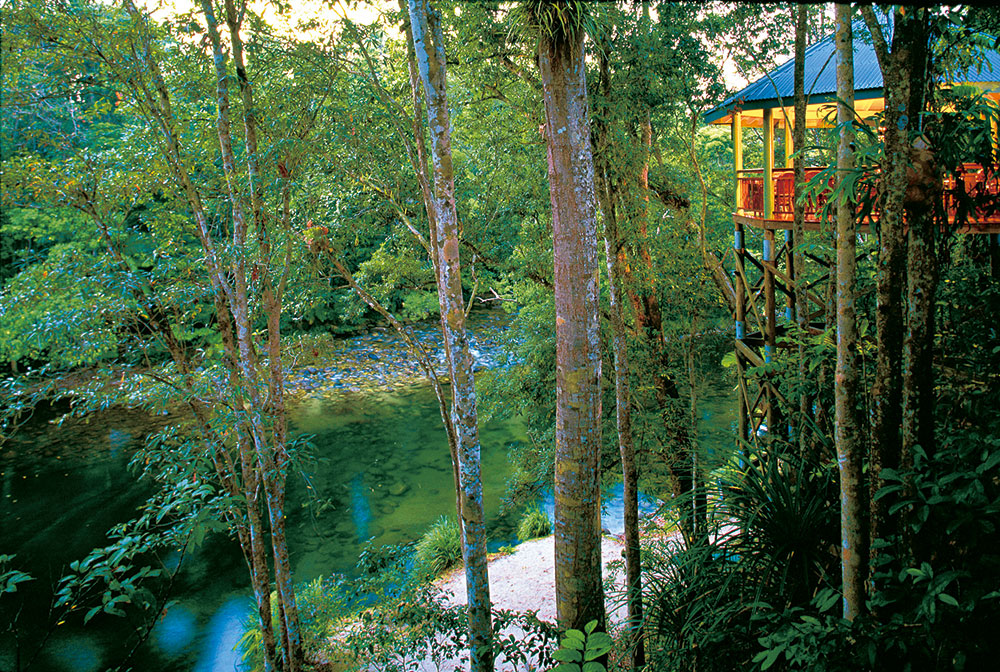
x: 598, y: 644
x: 991, y: 462
x: 594, y: 666
x: 948, y: 599
x: 827, y: 599
x: 565, y: 655
x: 887, y: 474
x: 771, y: 656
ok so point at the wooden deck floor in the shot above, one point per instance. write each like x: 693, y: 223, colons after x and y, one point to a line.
x: 813, y: 223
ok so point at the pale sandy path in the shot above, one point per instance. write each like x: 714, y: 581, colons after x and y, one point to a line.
x: 525, y: 579
x: 522, y: 581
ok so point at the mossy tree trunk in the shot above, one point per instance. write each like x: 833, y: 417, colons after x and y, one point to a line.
x: 579, y: 589
x: 626, y: 439
x: 428, y: 45
x: 610, y: 193
x: 903, y: 71
x: 923, y: 208
x: 849, y: 446
x: 801, y: 13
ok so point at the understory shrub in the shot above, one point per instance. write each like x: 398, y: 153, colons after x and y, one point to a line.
x: 762, y: 591
x: 773, y: 527
x: 581, y: 650
x: 390, y: 618
x: 534, y: 523
x: 320, y: 604
x: 440, y: 547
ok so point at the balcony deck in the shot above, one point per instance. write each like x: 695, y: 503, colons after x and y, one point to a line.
x: 972, y: 191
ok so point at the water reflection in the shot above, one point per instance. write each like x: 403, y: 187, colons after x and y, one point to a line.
x: 382, y: 471
x: 175, y: 631
x: 118, y: 441
x: 220, y: 639
x: 612, y: 507
x: 361, y: 509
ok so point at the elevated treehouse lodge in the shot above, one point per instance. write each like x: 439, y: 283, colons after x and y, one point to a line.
x: 763, y: 282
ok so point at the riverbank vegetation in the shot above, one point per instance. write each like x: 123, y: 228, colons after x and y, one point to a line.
x: 203, y: 206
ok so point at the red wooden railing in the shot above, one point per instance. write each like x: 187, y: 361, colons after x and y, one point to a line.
x: 974, y: 191
x: 751, y: 193
x: 969, y: 193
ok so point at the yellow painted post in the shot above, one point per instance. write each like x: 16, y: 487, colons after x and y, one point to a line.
x: 789, y: 237
x: 789, y: 149
x: 768, y: 163
x: 995, y: 237
x: 995, y: 131
x: 737, y: 129
x: 993, y: 125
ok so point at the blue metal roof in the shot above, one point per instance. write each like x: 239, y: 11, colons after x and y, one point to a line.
x: 778, y: 86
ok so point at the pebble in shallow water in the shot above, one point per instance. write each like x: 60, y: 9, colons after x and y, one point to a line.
x: 380, y: 360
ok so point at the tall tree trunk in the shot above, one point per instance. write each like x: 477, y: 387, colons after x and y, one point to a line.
x: 418, y: 160
x: 801, y: 301
x: 626, y: 443
x: 922, y: 205
x: 428, y: 44
x: 579, y: 589
x: 609, y: 195
x: 699, y: 502
x: 623, y: 191
x: 901, y: 67
x: 260, y: 424
x: 270, y: 450
x: 854, y: 547
x: 271, y: 301
x: 918, y: 347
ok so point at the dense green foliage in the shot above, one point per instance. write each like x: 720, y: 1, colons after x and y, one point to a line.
x: 94, y: 224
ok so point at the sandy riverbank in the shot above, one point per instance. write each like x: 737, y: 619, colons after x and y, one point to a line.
x: 525, y: 579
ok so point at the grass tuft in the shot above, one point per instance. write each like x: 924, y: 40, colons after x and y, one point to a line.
x: 534, y: 523
x: 440, y: 547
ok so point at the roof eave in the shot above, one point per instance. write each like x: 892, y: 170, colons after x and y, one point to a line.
x: 722, y: 113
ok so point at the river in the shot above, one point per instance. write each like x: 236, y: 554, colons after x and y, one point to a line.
x: 380, y: 474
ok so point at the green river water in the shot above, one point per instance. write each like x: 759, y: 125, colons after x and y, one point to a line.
x: 381, y: 473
